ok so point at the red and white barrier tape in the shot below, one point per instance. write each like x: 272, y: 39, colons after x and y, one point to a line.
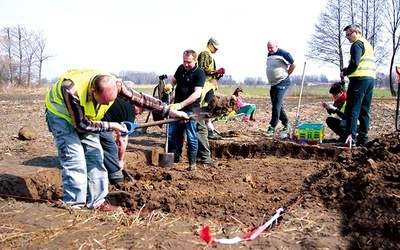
x: 205, y: 233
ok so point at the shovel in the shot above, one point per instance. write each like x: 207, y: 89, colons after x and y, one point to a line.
x: 132, y: 127
x: 297, y: 121
x: 166, y: 159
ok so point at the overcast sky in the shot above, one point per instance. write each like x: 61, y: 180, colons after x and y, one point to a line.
x: 151, y: 35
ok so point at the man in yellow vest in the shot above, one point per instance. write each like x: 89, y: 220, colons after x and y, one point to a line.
x: 361, y: 72
x: 75, y: 106
x: 205, y: 128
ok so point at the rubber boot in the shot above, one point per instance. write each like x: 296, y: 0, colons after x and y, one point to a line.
x: 213, y: 136
x: 192, y: 160
x: 177, y: 156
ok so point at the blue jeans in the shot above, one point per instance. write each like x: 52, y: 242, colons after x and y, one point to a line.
x: 277, y: 93
x: 359, y: 97
x: 84, y: 177
x: 176, y: 135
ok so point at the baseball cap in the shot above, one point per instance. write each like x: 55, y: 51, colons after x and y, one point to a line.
x: 214, y: 42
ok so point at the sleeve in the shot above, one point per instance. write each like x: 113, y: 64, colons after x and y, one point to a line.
x: 209, y: 96
x: 77, y: 112
x: 203, y: 61
x: 340, y: 114
x: 142, y: 100
x: 199, y: 78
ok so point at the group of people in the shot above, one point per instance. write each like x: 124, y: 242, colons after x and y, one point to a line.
x: 85, y: 107
x: 194, y: 84
x: 353, y: 106
x: 350, y: 110
x: 75, y: 107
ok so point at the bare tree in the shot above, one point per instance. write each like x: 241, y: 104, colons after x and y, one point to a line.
x: 392, y: 17
x: 7, y: 47
x: 368, y: 15
x: 328, y: 44
x: 325, y: 45
x: 19, y: 36
x: 40, y: 54
x: 29, y: 50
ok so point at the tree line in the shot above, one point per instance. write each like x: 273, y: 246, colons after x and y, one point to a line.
x: 22, y: 53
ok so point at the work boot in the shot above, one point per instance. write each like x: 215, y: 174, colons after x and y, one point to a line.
x: 116, y: 177
x: 177, y: 156
x: 192, y: 160
x: 213, y: 136
x: 209, y: 162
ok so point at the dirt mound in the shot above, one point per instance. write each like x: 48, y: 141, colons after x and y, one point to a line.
x: 366, y: 190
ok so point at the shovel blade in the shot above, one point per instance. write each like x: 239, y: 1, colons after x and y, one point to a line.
x: 166, y: 160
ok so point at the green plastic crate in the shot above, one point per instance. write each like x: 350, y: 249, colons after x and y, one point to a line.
x: 311, y: 132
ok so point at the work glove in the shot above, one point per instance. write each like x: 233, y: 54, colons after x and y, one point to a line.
x: 176, y: 106
x: 221, y: 71
x: 168, y: 88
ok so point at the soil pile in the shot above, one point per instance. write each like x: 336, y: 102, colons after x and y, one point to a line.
x: 365, y: 188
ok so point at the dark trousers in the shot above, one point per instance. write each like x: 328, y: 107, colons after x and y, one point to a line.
x: 204, y: 145
x: 338, y: 126
x: 359, y: 97
x: 277, y: 93
x: 110, y: 149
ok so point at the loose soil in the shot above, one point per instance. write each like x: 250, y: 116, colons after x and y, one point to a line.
x: 334, y: 198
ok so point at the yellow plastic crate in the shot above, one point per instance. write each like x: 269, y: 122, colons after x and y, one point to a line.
x: 311, y: 132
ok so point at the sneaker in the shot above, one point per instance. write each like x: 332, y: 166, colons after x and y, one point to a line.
x: 286, y: 128
x: 270, y: 131
x: 245, y: 119
x: 253, y: 119
x: 107, y: 207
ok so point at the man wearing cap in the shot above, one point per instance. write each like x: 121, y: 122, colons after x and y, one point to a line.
x: 205, y: 129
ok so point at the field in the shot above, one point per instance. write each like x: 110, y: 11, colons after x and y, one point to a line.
x: 333, y: 198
